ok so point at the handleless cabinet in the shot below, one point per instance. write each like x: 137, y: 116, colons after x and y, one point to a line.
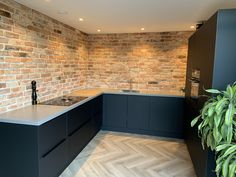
x: 46, y: 150
x: 115, y: 111
x: 138, y: 112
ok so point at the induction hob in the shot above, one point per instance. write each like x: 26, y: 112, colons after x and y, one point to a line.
x: 64, y: 100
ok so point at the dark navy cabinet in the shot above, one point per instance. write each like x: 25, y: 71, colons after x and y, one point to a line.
x: 138, y: 112
x: 212, y: 54
x: 115, y: 111
x: 52, y: 147
x: 166, y: 116
x: 46, y: 150
x: 152, y: 115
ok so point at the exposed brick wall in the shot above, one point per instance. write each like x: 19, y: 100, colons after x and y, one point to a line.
x: 153, y: 61
x: 61, y: 59
x: 36, y: 47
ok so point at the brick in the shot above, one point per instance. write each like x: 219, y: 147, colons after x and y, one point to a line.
x: 3, y: 40
x: 62, y: 59
x: 12, y: 35
x: 6, y: 8
x: 5, y: 27
x: 5, y: 14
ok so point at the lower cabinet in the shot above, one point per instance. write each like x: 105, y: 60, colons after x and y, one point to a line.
x: 46, y: 150
x: 53, y: 163
x: 79, y: 139
x: 115, y: 111
x: 138, y: 112
x: 152, y: 115
x: 166, y: 116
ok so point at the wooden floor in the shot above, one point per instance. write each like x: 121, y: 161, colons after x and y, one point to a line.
x: 112, y: 154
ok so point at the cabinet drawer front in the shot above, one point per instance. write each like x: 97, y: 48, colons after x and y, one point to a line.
x: 79, y: 139
x: 51, y: 133
x: 78, y: 116
x: 54, y: 162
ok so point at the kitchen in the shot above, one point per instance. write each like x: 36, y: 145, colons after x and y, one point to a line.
x: 131, y: 77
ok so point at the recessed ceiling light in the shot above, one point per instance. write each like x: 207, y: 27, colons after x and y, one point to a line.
x: 62, y: 12
x: 192, y: 27
x: 81, y: 19
x: 142, y: 29
x: 98, y: 30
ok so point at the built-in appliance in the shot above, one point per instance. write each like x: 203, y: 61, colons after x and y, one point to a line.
x: 211, y: 64
x: 64, y: 100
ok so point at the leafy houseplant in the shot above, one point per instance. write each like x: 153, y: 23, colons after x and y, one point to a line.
x: 217, y: 128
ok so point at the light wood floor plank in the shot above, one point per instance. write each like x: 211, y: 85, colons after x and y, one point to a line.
x: 112, y: 154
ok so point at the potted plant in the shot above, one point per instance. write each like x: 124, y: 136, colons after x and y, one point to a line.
x: 217, y: 128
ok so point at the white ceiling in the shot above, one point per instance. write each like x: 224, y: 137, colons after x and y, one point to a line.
x: 125, y: 16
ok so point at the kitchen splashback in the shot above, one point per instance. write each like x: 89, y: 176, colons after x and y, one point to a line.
x: 61, y: 59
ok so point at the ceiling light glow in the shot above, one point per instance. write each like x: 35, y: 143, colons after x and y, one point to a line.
x: 142, y: 29
x: 192, y: 27
x: 81, y: 19
x: 98, y: 30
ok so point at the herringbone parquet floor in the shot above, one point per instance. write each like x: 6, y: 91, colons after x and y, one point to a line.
x: 112, y: 154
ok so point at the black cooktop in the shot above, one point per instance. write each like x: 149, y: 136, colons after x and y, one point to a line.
x: 64, y: 100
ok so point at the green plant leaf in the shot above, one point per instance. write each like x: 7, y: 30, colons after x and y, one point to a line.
x: 225, y: 168
x: 195, y: 120
x: 229, y: 134
x: 229, y: 114
x: 230, y: 150
x: 220, y: 105
x: 232, y: 169
x: 224, y: 131
x: 230, y: 91
x: 211, y: 110
x: 222, y: 146
x: 217, y: 120
x: 216, y: 134
x: 213, y: 91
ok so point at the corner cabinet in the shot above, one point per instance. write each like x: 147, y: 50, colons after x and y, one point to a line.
x: 151, y: 115
x: 46, y: 150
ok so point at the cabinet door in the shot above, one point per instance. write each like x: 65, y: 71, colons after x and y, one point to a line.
x: 50, y: 134
x: 138, y: 112
x: 166, y: 115
x: 78, y: 116
x: 79, y: 139
x: 53, y: 163
x: 115, y: 111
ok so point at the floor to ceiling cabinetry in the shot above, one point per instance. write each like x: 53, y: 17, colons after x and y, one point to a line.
x: 212, y: 55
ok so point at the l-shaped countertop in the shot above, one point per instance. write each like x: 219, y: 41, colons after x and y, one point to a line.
x: 38, y: 114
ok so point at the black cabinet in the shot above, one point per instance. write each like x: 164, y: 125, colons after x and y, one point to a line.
x: 138, y: 112
x: 152, y: 115
x: 97, y: 116
x: 77, y: 117
x: 83, y: 123
x: 212, y: 53
x: 54, y: 162
x: 50, y: 134
x: 166, y: 116
x: 46, y: 150
x: 52, y: 147
x: 79, y: 139
x: 115, y: 111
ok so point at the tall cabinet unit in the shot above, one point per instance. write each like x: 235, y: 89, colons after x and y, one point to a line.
x: 211, y: 64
